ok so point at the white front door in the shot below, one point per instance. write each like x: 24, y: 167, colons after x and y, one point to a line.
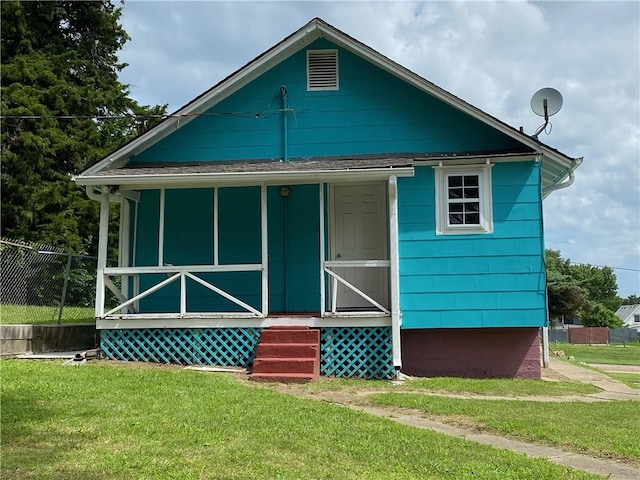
x: 359, y: 232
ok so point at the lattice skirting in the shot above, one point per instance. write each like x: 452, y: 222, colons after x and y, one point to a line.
x: 357, y: 352
x: 186, y: 346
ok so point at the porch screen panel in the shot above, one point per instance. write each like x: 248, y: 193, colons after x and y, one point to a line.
x: 239, y: 242
x: 188, y: 238
x: 148, y: 221
x: 147, y: 254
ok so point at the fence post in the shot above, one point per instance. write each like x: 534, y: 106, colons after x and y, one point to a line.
x: 67, y: 270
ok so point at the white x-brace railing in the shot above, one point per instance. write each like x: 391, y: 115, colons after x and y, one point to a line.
x: 176, y: 273
x: 335, y: 279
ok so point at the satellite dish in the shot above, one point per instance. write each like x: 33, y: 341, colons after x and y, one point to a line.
x: 546, y: 102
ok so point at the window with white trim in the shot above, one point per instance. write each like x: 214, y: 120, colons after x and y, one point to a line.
x: 636, y: 318
x: 463, y: 200
x: 322, y: 70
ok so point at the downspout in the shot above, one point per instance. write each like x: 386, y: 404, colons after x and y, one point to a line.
x: 575, y: 163
x: 98, y: 196
x: 285, y: 124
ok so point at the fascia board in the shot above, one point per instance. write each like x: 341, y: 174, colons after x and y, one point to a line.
x: 475, y: 160
x: 199, y: 180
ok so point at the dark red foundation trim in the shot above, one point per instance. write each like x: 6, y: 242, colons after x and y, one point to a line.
x: 471, y: 352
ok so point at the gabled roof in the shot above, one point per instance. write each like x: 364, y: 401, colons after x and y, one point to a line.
x: 556, y: 166
x: 626, y: 312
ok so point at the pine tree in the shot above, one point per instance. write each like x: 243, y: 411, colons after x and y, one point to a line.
x: 60, y: 94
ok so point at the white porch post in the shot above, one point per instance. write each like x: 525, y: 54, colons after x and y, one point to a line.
x: 103, y: 237
x: 216, y: 240
x: 161, y: 230
x: 123, y: 242
x: 265, y: 250
x: 394, y: 274
x: 322, y: 259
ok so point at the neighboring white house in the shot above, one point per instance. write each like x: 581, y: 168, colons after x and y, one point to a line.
x: 630, y: 315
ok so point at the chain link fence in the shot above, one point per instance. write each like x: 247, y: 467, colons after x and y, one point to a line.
x: 43, y: 284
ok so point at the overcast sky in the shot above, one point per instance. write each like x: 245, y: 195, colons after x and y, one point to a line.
x: 493, y: 55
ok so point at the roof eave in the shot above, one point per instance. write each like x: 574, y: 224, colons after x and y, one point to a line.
x: 199, y: 180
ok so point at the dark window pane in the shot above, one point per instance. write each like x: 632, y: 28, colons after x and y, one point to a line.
x: 471, y: 207
x: 455, y: 193
x: 456, y: 207
x: 471, y: 193
x: 455, y: 219
x: 455, y: 181
x: 471, y: 181
x: 472, y: 219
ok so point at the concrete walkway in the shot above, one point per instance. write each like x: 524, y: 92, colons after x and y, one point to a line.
x: 606, y: 468
x: 611, y: 390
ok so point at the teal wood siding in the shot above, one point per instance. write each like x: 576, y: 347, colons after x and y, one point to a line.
x: 373, y: 112
x: 479, y: 280
x: 294, y: 258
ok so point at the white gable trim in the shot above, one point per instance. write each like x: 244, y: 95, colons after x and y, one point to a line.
x: 315, y: 29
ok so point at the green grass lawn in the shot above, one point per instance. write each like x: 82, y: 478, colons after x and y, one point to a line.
x: 34, y: 314
x: 604, y: 429
x: 135, y: 421
x: 628, y: 354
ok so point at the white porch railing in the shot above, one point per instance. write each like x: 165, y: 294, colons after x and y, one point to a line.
x: 335, y: 279
x: 174, y: 274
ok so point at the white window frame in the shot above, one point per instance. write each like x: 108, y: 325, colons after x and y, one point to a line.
x: 636, y: 318
x: 442, y: 174
x: 312, y: 88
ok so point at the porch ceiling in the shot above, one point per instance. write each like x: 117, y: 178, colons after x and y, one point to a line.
x: 250, y: 172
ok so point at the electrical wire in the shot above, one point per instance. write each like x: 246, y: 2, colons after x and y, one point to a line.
x: 133, y: 117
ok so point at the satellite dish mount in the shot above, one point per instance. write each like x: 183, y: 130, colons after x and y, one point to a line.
x: 545, y: 103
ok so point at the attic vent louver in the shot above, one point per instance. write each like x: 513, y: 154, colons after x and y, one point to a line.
x: 322, y: 70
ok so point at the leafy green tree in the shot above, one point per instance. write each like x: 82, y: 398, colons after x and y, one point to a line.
x: 583, y: 291
x: 566, y: 296
x: 63, y: 108
x: 600, y: 283
x: 631, y: 300
x: 598, y: 315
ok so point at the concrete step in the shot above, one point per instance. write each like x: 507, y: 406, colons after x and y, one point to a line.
x: 287, y: 350
x: 284, y: 365
x: 282, y: 377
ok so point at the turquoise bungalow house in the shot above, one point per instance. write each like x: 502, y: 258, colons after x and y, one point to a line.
x: 325, y: 187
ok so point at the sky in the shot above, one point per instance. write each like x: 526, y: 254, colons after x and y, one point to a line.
x: 494, y: 55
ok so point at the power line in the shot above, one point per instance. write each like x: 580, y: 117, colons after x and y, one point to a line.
x: 603, y: 266
x: 129, y: 116
x: 590, y: 246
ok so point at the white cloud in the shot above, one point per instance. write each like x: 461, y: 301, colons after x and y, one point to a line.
x: 494, y: 55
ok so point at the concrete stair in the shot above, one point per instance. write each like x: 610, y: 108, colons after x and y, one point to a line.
x: 287, y: 355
